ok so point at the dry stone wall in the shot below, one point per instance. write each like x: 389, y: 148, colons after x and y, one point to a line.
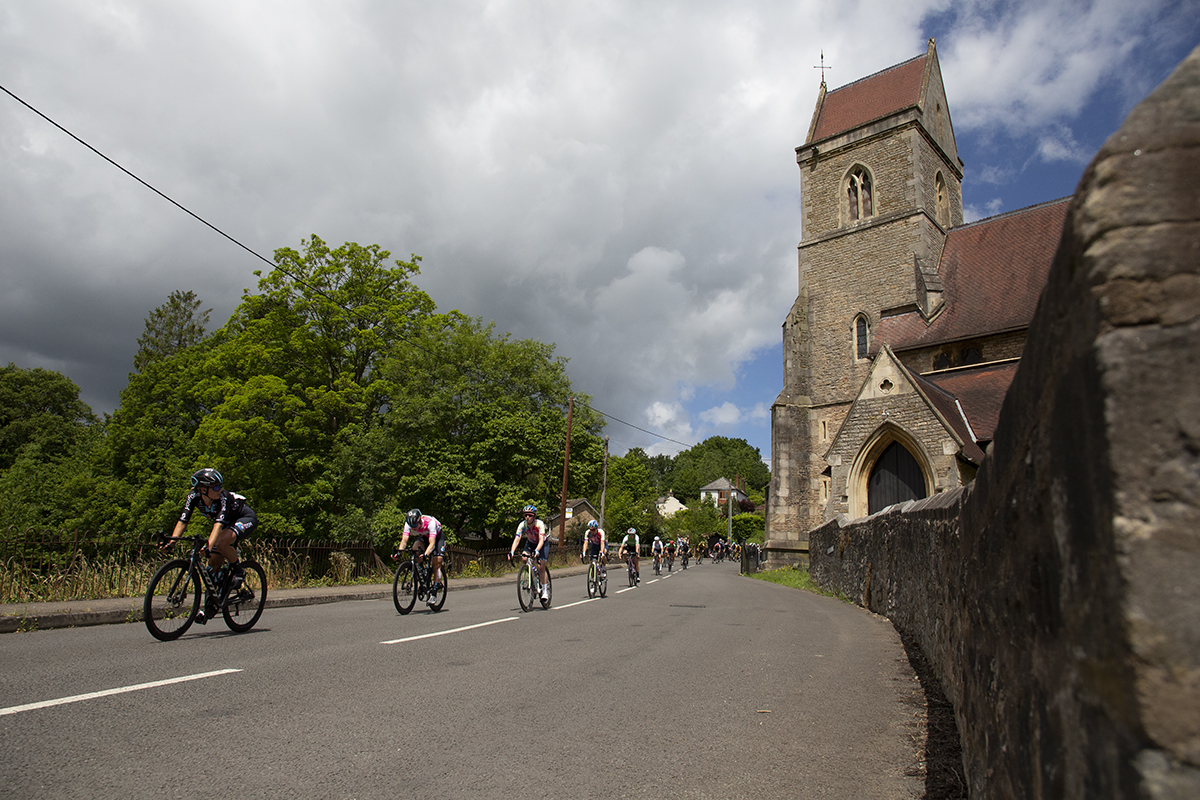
x: 1059, y: 597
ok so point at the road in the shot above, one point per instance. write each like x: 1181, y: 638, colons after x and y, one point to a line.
x: 701, y: 684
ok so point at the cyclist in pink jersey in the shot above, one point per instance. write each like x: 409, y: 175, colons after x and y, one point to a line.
x: 429, y: 529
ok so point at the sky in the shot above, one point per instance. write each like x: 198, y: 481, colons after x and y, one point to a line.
x: 617, y: 178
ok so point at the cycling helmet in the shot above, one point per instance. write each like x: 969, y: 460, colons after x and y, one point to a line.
x: 593, y: 524
x: 657, y: 539
x: 206, y: 478
x: 413, y: 518
x: 631, y: 531
x: 529, y: 509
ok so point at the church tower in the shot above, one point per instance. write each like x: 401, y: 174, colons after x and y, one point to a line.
x: 880, y: 186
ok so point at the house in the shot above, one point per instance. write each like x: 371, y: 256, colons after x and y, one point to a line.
x: 579, y: 513
x: 669, y: 506
x: 718, y: 492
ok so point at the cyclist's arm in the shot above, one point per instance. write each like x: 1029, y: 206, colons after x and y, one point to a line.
x: 516, y: 539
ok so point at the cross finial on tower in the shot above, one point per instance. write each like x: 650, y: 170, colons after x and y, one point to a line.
x: 822, y: 67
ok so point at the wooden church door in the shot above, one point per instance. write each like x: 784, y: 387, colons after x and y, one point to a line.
x: 895, y: 478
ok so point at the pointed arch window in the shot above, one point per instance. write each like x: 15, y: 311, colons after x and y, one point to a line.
x: 861, y: 337
x: 860, y: 194
x: 943, y: 201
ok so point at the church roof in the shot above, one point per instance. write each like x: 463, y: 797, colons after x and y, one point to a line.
x: 979, y: 391
x: 946, y: 405
x: 871, y: 98
x: 993, y: 272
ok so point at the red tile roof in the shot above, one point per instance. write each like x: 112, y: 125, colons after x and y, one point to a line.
x: 870, y: 98
x: 993, y: 272
x: 980, y: 391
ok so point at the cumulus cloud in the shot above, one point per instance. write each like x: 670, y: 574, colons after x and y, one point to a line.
x: 616, y: 178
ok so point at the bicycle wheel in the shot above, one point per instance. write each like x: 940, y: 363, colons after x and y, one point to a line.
x: 629, y: 569
x: 246, y: 604
x: 404, y: 588
x: 438, y: 599
x: 592, y: 584
x: 545, y: 601
x: 526, y: 588
x: 602, y: 583
x: 172, y: 600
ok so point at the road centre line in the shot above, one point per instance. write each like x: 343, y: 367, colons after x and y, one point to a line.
x: 452, y: 630
x: 576, y: 603
x: 105, y: 693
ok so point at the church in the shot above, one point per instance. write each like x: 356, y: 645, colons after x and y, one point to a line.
x: 908, y: 324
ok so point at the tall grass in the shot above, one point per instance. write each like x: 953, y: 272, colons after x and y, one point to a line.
x: 128, y: 575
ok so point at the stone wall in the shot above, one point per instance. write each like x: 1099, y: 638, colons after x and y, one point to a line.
x: 1058, y: 598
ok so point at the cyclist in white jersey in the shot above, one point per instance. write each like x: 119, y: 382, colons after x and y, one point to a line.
x: 630, y: 545
x: 533, y: 531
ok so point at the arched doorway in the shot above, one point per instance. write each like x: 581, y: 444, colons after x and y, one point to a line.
x: 896, y: 477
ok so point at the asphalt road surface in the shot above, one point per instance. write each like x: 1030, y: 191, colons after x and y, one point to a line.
x: 700, y: 684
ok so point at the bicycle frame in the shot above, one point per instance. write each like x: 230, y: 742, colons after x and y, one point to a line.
x: 172, y: 600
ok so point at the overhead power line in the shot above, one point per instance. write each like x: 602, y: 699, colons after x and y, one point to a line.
x: 259, y: 256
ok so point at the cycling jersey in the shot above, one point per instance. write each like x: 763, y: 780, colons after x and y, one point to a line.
x: 532, y: 532
x: 595, y: 535
x: 428, y: 526
x: 657, y: 547
x: 226, y: 509
x: 625, y: 542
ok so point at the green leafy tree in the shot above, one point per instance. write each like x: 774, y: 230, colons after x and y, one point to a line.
x: 717, y: 457
x: 171, y: 328
x: 293, y: 383
x: 748, y: 528
x: 48, y: 444
x: 480, y: 426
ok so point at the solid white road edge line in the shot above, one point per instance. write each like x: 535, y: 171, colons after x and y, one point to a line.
x: 93, y: 695
x: 453, y: 630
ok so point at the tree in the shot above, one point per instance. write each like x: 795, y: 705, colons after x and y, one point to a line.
x: 479, y: 424
x: 171, y: 328
x: 40, y: 407
x: 717, y: 457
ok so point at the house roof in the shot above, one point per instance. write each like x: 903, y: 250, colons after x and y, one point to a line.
x: 873, y: 97
x: 980, y: 391
x: 992, y: 271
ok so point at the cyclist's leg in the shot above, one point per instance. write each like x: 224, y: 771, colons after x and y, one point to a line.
x: 439, y: 548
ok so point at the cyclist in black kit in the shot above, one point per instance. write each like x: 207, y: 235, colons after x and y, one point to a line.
x: 233, y: 520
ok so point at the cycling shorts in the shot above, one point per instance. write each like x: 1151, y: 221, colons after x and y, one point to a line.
x: 243, y: 526
x: 438, y: 549
x: 543, y: 554
x: 593, y: 550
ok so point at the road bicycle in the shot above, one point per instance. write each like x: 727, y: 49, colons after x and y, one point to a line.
x: 633, y: 576
x: 657, y: 564
x: 597, y: 578
x: 683, y: 559
x: 173, y: 597
x: 415, y: 581
x: 529, y: 584
x: 670, y: 561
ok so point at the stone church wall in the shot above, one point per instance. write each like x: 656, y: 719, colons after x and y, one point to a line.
x: 1058, y: 599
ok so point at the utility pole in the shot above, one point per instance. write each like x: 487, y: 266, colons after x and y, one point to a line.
x: 562, y: 509
x: 603, y: 482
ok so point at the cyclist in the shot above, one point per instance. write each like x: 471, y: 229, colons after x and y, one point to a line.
x: 233, y: 520
x: 685, y: 548
x: 429, y: 533
x: 630, y: 546
x: 656, y: 550
x: 670, y: 553
x: 533, y: 530
x: 595, y: 544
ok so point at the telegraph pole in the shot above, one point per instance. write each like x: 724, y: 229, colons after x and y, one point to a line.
x: 562, y: 509
x: 604, y: 482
